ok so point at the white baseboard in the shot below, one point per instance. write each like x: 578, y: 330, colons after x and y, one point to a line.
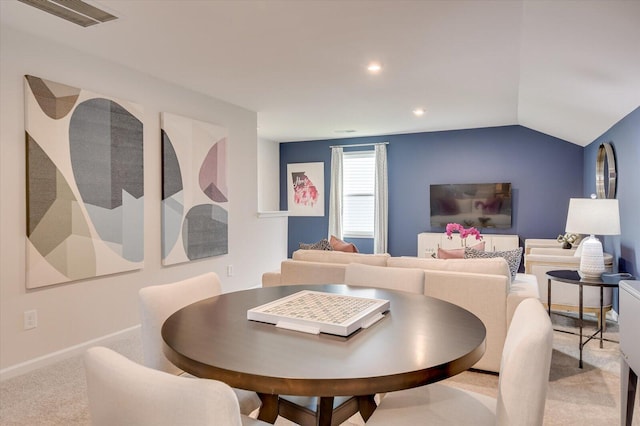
x: 51, y: 358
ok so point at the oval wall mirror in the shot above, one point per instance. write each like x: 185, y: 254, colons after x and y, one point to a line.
x: 606, y: 171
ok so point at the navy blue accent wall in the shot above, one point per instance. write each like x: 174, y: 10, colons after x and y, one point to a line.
x: 544, y: 172
x: 625, y: 138
x: 311, y: 229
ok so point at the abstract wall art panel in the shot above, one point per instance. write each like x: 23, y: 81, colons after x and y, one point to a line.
x: 195, y: 201
x: 85, y: 188
x: 305, y: 189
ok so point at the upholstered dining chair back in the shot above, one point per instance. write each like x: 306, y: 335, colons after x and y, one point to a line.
x: 158, y: 302
x: 403, y: 279
x: 525, y: 365
x: 122, y: 392
x: 522, y: 385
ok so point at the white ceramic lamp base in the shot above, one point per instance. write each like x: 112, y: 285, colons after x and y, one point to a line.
x: 592, y: 259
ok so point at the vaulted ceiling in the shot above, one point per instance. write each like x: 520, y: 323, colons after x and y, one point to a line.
x: 570, y: 69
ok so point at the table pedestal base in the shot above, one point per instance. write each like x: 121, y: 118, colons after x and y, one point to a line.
x: 314, y: 411
x: 269, y: 408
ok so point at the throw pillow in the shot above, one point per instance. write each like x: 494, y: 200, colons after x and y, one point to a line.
x: 457, y: 253
x: 339, y: 245
x: 323, y: 244
x: 512, y: 257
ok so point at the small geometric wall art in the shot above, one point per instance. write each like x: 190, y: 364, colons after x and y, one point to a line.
x: 195, y: 195
x: 305, y: 189
x: 85, y: 187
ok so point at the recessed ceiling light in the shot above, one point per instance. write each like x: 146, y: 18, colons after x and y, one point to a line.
x: 418, y: 112
x: 374, y: 67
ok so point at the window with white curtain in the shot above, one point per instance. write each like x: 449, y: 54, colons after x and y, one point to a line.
x: 358, y: 184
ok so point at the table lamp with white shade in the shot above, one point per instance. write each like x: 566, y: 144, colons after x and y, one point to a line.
x: 592, y: 216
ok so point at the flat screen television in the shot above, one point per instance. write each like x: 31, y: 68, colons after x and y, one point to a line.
x: 482, y: 205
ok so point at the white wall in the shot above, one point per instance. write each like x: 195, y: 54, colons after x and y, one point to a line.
x: 73, y: 314
x: 268, y: 175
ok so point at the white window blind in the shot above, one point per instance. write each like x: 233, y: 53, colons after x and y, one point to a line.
x: 358, y: 181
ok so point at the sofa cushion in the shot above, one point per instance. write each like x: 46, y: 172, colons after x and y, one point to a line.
x: 293, y: 272
x: 493, y: 266
x: 340, y: 257
x: 404, y: 279
x: 513, y: 257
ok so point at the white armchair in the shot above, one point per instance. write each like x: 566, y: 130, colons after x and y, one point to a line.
x: 531, y: 243
x: 564, y: 297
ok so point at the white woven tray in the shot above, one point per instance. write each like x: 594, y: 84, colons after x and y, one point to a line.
x: 318, y: 312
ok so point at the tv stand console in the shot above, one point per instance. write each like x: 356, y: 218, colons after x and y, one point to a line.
x: 429, y: 242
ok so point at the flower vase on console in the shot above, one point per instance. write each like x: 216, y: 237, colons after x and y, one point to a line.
x: 464, y: 232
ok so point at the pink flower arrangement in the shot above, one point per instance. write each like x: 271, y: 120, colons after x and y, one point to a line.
x: 464, y: 233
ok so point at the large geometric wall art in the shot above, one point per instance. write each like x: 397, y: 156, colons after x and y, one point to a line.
x: 85, y: 188
x: 195, y: 201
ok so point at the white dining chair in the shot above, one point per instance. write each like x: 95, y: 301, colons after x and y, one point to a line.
x: 158, y: 302
x: 122, y: 392
x: 522, y: 385
x: 403, y: 279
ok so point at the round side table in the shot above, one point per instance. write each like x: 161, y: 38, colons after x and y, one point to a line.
x: 572, y: 277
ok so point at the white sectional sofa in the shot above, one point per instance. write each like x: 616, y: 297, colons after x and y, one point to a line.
x: 482, y: 286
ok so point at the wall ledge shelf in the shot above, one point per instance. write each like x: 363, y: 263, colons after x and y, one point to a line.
x: 275, y: 213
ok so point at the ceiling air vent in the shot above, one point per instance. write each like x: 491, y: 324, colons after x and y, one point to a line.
x: 75, y: 11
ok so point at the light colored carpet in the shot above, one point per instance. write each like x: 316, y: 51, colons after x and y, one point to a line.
x: 56, y: 395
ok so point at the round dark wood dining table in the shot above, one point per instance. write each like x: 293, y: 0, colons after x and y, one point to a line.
x: 419, y: 341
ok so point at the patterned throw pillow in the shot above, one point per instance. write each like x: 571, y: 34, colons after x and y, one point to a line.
x: 513, y: 257
x: 320, y: 245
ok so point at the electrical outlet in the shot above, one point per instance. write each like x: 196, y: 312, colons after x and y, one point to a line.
x: 229, y: 270
x: 30, y: 319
